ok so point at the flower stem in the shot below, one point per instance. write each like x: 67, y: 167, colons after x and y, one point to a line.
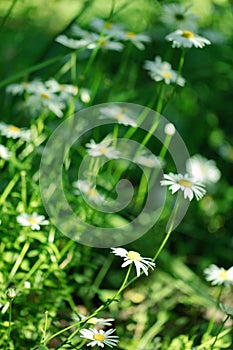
x: 211, y: 322
x: 219, y: 331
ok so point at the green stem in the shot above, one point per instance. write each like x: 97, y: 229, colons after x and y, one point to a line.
x: 24, y: 189
x: 5, y: 18
x: 8, y: 189
x: 19, y: 260
x: 10, y: 321
x: 211, y: 322
x: 220, y: 329
x: 73, y: 68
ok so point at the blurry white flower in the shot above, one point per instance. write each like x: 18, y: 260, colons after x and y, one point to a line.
x: 97, y: 321
x: 4, y: 152
x: 203, y: 170
x: 134, y: 257
x: 118, y: 113
x: 159, y: 71
x: 12, y: 131
x: 89, y: 190
x: 85, y: 95
x: 99, y: 337
x: 186, y: 38
x: 177, y: 16
x: 102, y: 149
x: 218, y: 275
x: 33, y: 220
x: 27, y: 285
x: 149, y: 160
x: 169, y: 129
x: 65, y: 90
x: 11, y: 293
x: 26, y: 86
x: 185, y: 183
x: 137, y: 40
x: 71, y: 43
x: 106, y: 27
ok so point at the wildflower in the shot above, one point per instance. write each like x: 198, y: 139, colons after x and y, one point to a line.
x: 98, y: 321
x: 134, y: 257
x: 14, y: 132
x: 169, y: 129
x: 33, y: 220
x: 85, y: 95
x: 120, y: 114
x: 89, y: 190
x: 4, y: 152
x: 162, y: 71
x: 102, y: 149
x: 177, y: 16
x: 106, y: 27
x: 65, y: 90
x: 186, y: 38
x: 184, y: 183
x: 25, y: 86
x: 203, y: 170
x: 99, y: 337
x: 149, y: 160
x: 11, y: 293
x: 137, y: 40
x: 218, y: 275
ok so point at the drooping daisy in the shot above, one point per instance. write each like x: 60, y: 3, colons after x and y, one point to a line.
x: 4, y: 152
x: 203, y: 170
x: 102, y: 149
x: 14, y: 132
x: 186, y: 38
x: 33, y: 220
x: 83, y: 186
x: 132, y: 257
x: 185, y: 183
x: 177, y: 16
x: 162, y: 71
x: 218, y: 275
x: 118, y: 113
x: 100, y: 337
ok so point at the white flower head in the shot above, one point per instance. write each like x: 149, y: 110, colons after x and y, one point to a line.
x: 118, y: 113
x: 186, y: 38
x: 169, y: 129
x: 132, y: 257
x: 95, y: 321
x: 149, y: 160
x: 162, y: 71
x: 184, y: 183
x: 25, y: 86
x: 83, y: 186
x: 100, y: 337
x: 14, y: 132
x: 106, y: 27
x: 33, y: 220
x: 4, y: 152
x: 218, y: 275
x: 137, y: 40
x: 203, y: 170
x: 65, y: 90
x: 177, y: 16
x: 102, y: 149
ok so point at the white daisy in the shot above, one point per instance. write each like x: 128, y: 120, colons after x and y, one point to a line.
x: 100, y: 337
x: 177, y: 16
x: 4, y: 152
x: 33, y: 220
x: 25, y: 86
x: 118, y: 113
x: 102, y: 149
x: 65, y: 90
x: 134, y: 257
x: 14, y: 132
x: 89, y: 190
x: 72, y: 43
x: 184, y: 183
x: 96, y: 321
x: 218, y: 275
x: 149, y: 160
x: 186, y: 38
x: 203, y: 170
x: 106, y: 27
x: 159, y: 70
x: 137, y: 40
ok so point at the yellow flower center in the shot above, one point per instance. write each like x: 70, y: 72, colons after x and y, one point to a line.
x: 185, y: 183
x: 103, y: 150
x: 99, y: 337
x: 103, y: 42
x: 32, y: 221
x: 120, y: 116
x: 132, y: 255
x: 167, y: 75
x: 92, y: 192
x: 187, y: 34
x: 108, y: 25
x: 25, y: 83
x: 223, y: 275
x: 130, y: 35
x: 44, y: 95
x: 14, y: 128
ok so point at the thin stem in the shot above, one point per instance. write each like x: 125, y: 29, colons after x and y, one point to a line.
x: 73, y: 68
x: 19, y: 260
x: 5, y: 18
x: 10, y: 321
x: 8, y: 189
x: 24, y: 189
x: 211, y: 322
x: 219, y: 331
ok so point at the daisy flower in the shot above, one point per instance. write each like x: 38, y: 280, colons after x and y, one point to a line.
x: 177, y: 16
x: 218, y: 275
x: 137, y: 40
x: 102, y: 149
x: 89, y: 190
x: 96, y: 321
x: 33, y: 220
x: 65, y: 90
x: 186, y: 38
x: 25, y: 86
x: 120, y: 114
x: 14, y: 132
x: 99, y: 337
x: 109, y: 28
x: 162, y: 71
x: 203, y: 170
x: 185, y: 183
x: 149, y: 160
x: 134, y: 257
x: 4, y: 152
